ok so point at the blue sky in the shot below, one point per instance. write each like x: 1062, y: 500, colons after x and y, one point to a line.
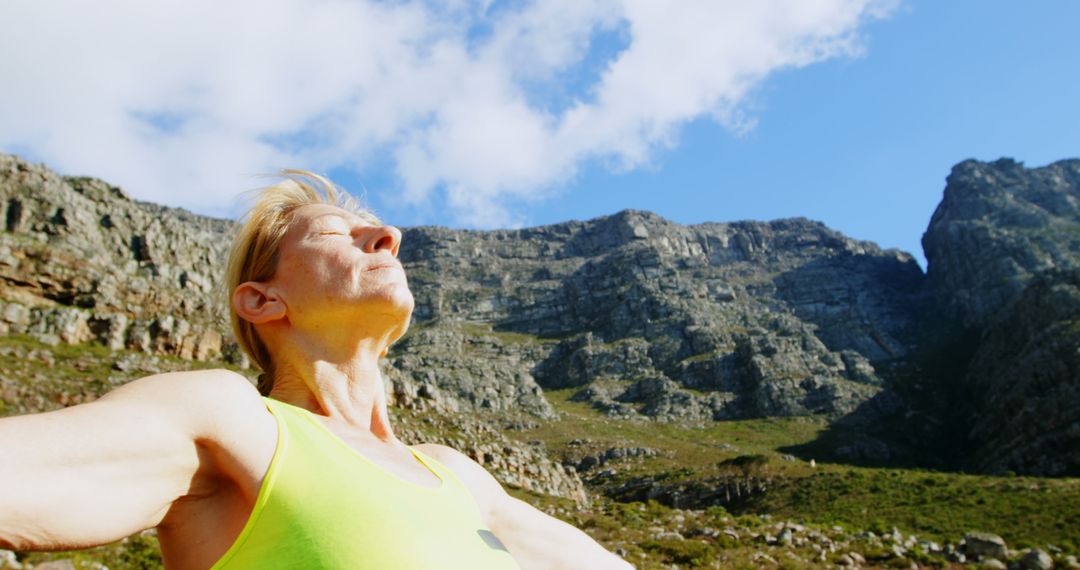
x: 863, y: 144
x: 481, y: 114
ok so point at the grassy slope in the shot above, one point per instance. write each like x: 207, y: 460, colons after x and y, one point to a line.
x: 937, y: 505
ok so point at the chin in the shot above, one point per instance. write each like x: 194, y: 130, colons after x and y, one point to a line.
x: 405, y: 318
x: 391, y: 296
x: 403, y: 298
x: 398, y: 302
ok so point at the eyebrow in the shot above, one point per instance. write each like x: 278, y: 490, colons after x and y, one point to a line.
x: 341, y: 217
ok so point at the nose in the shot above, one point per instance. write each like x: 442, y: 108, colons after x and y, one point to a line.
x: 383, y: 238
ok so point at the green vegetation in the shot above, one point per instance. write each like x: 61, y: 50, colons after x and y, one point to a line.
x: 746, y: 463
x: 36, y: 377
x: 676, y: 551
x: 506, y: 337
x: 937, y: 505
x: 1025, y: 511
x: 696, y: 446
x: 136, y: 552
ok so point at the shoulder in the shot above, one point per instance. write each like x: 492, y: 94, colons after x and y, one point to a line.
x: 207, y: 387
x: 202, y: 400
x: 448, y: 456
x: 219, y: 411
x: 194, y: 383
x: 487, y: 492
x: 456, y: 461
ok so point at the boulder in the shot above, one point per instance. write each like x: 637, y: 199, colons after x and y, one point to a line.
x: 984, y: 544
x: 1036, y: 559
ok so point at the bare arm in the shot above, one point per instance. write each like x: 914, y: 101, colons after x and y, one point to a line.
x: 535, y: 539
x: 95, y: 473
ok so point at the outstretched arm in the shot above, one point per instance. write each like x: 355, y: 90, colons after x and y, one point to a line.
x: 535, y: 539
x: 94, y: 473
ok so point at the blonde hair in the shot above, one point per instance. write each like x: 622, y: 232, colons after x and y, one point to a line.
x: 254, y: 253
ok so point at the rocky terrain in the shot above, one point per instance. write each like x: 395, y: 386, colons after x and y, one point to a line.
x: 1023, y: 379
x: 651, y: 318
x: 998, y: 226
x: 1002, y: 249
x: 81, y: 261
x: 709, y: 322
x: 717, y: 540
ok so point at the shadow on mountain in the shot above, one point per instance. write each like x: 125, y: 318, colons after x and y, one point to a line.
x: 917, y: 421
x: 864, y: 437
x: 921, y: 419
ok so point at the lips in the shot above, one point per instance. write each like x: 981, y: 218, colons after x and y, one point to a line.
x: 383, y: 266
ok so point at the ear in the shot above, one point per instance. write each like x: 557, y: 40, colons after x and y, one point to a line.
x: 256, y: 303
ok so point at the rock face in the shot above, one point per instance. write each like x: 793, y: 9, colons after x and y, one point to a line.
x: 703, y: 322
x: 1004, y: 268
x: 998, y: 225
x: 455, y: 369
x: 81, y: 261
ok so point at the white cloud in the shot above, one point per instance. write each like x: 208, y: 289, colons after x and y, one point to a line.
x: 181, y: 102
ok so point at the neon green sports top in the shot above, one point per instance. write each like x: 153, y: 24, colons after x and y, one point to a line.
x: 322, y: 505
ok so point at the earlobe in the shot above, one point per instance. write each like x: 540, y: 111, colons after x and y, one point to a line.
x: 254, y: 302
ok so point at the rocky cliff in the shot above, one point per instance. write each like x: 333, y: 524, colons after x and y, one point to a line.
x: 80, y: 261
x: 1003, y: 250
x: 999, y: 225
x: 647, y: 317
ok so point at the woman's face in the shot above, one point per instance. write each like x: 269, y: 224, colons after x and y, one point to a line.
x: 334, y: 269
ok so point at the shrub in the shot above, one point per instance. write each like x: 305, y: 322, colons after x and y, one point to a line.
x: 689, y: 552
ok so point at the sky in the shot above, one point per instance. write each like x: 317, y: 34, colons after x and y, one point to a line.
x: 491, y: 114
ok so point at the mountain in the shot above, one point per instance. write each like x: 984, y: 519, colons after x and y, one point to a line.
x: 81, y: 261
x: 640, y: 317
x: 652, y: 318
x: 997, y: 227
x: 1003, y: 252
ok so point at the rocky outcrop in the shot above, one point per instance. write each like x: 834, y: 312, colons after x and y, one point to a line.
x: 81, y: 261
x: 451, y: 368
x: 701, y: 322
x: 999, y: 225
x: 524, y: 466
x: 1003, y: 251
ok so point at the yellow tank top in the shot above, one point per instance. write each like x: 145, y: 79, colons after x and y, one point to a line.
x: 322, y: 505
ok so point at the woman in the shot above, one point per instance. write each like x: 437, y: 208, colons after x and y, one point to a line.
x: 304, y: 472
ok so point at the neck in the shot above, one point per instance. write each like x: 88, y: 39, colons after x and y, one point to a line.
x: 339, y: 382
